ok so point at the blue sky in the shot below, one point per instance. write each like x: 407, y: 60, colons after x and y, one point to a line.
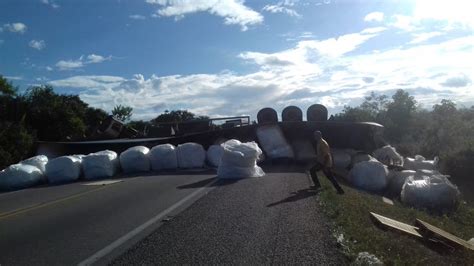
x: 234, y: 57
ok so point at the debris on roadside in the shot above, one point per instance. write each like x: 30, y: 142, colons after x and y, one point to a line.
x: 365, y: 258
x: 394, y: 224
x: 425, y: 231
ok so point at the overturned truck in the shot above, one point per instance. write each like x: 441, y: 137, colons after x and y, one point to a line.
x: 289, y: 137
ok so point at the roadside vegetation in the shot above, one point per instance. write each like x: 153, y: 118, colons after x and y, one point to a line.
x: 39, y: 113
x: 445, y: 130
x: 357, y: 233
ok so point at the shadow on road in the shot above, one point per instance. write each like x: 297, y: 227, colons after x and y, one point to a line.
x: 295, y: 196
x: 206, y: 182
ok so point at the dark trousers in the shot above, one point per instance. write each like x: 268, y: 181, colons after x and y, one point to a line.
x: 328, y: 173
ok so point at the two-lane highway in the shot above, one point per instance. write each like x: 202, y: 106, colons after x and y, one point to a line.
x: 68, y: 224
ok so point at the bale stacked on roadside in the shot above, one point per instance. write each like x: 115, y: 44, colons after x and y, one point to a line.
x: 19, y: 176
x: 163, y: 157
x: 191, y: 155
x: 64, y: 169
x: 38, y: 161
x: 101, y: 164
x: 214, y: 154
x: 430, y: 190
x: 135, y: 160
x: 239, y: 160
x: 369, y: 175
x: 273, y: 142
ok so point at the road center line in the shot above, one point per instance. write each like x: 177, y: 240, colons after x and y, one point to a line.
x: 117, y: 243
x: 48, y: 203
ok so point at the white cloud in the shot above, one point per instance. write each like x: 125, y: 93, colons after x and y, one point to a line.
x: 279, y: 8
x: 374, y: 16
x: 406, y: 23
x: 331, y: 71
x: 422, y: 37
x: 81, y: 62
x: 48, y: 68
x: 457, y: 80
x: 17, y: 27
x: 93, y: 82
x: 69, y: 64
x: 50, y: 3
x: 94, y: 59
x: 453, y: 12
x: 373, y: 30
x: 14, y: 77
x: 234, y: 12
x: 38, y: 45
x: 137, y: 17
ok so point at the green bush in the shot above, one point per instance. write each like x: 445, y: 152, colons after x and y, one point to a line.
x: 16, y: 143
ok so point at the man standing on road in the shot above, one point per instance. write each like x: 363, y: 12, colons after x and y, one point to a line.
x: 323, y: 162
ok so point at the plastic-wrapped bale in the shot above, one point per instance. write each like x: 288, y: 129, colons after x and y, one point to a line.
x: 100, y: 164
x: 435, y: 193
x: 396, y: 180
x: 38, y: 161
x: 361, y: 157
x: 18, y: 176
x: 191, y: 155
x: 64, y: 169
x: 388, y: 155
x: 273, y: 142
x: 135, y: 160
x: 419, y: 162
x: 369, y: 175
x: 341, y: 158
x: 214, y: 154
x: 239, y: 160
x: 163, y: 156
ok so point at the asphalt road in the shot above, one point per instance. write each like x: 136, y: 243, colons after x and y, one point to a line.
x: 275, y: 219
x: 66, y: 224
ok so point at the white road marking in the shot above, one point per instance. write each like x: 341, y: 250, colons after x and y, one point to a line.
x: 117, y: 243
x: 102, y: 183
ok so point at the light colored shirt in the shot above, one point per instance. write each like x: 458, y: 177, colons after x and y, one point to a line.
x: 323, y: 154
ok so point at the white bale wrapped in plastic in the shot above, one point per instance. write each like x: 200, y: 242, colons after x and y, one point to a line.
x: 369, y: 175
x: 388, y: 155
x: 419, y: 162
x: 64, y: 169
x: 361, y: 157
x: 341, y: 158
x: 214, y: 154
x: 273, y: 142
x: 18, y: 176
x: 38, y: 161
x: 191, y: 155
x: 239, y: 160
x: 100, y: 164
x: 396, y: 180
x: 163, y: 156
x: 432, y: 192
x: 135, y: 159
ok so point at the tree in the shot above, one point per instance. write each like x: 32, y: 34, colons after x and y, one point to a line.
x: 122, y: 113
x: 399, y: 114
x: 177, y: 116
x: 371, y: 110
x: 7, y: 88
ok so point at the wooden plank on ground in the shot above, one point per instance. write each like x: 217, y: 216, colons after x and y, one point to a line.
x: 432, y: 231
x: 396, y: 225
